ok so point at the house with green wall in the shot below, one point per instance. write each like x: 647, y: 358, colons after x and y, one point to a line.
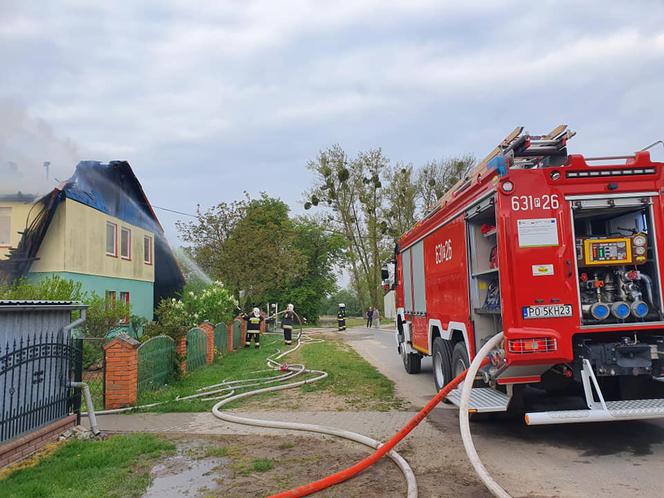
x: 97, y: 228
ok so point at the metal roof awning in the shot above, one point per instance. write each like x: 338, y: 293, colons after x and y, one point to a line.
x: 27, y: 305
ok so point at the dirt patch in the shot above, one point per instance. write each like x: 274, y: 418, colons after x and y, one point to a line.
x: 297, y: 400
x: 257, y: 466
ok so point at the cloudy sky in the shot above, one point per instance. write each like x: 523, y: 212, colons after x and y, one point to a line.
x: 207, y: 99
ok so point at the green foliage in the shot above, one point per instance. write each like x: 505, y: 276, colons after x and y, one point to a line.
x: 101, y: 316
x: 199, y: 302
x: 262, y: 464
x: 330, y: 305
x: 263, y: 255
x: 52, y: 288
x: 117, y: 467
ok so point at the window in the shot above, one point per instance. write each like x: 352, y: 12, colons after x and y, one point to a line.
x: 125, y: 243
x: 5, y: 226
x: 110, y: 299
x: 111, y: 239
x: 124, y: 298
x: 147, y: 250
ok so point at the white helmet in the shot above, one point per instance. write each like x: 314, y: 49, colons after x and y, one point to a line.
x: 257, y: 312
x: 290, y: 307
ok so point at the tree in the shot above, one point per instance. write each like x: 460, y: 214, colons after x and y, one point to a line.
x: 437, y: 177
x: 401, y: 200
x: 330, y: 305
x: 322, y: 250
x: 262, y: 255
x: 352, y: 190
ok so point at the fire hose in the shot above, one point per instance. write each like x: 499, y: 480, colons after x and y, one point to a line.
x: 354, y: 470
x: 228, y: 389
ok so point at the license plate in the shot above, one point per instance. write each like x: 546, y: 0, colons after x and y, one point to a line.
x: 547, y: 311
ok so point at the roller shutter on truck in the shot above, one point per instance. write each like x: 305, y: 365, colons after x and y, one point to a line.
x: 407, y: 282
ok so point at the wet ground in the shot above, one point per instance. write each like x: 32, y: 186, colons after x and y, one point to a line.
x: 576, y: 460
x: 254, y: 466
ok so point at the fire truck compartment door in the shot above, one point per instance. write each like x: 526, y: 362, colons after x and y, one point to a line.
x: 538, y: 252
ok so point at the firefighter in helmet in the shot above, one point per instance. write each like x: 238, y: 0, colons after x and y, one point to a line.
x: 287, y: 322
x: 341, y: 317
x: 253, y: 328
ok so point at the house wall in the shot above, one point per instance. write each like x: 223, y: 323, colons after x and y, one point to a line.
x: 75, y: 248
x: 76, y: 242
x: 19, y: 215
x: 141, y: 293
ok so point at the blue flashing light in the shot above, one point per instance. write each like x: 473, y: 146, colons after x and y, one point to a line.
x: 499, y: 163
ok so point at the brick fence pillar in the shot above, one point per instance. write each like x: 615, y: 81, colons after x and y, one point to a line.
x: 209, y: 330
x: 229, y: 336
x: 121, y: 372
x: 181, y: 351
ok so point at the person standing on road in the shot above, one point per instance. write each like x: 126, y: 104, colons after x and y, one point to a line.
x: 253, y: 328
x: 370, y: 317
x: 287, y: 324
x: 376, y: 318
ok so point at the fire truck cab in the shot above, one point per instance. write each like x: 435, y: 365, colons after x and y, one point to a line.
x: 561, y: 253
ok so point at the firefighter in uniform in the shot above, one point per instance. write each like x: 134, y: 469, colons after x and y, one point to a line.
x: 287, y: 323
x: 341, y: 317
x: 253, y: 328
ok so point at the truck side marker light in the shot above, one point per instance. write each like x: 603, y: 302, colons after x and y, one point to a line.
x: 507, y: 187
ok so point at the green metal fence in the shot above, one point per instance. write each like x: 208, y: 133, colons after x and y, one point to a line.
x: 156, y: 362
x: 237, y: 333
x: 221, y: 338
x: 196, y: 349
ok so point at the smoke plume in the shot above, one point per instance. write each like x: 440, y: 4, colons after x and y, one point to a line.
x: 32, y: 157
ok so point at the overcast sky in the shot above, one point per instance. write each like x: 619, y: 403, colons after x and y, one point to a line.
x: 207, y: 99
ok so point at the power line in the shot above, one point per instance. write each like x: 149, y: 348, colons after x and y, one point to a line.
x: 174, y: 211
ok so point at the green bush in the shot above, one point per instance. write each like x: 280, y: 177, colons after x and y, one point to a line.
x: 175, y: 317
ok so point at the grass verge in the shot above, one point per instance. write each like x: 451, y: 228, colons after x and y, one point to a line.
x: 117, y: 467
x: 350, y: 377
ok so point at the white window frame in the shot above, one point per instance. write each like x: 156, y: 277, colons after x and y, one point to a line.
x: 147, y: 256
x: 126, y: 230
x: 115, y: 239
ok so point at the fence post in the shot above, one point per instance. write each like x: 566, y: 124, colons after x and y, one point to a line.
x: 209, y: 331
x: 121, y: 372
x: 181, y: 351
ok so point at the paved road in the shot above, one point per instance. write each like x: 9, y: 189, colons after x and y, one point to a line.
x: 621, y: 459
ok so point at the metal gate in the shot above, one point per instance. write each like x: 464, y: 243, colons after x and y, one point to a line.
x: 156, y: 363
x: 35, y: 372
x: 196, y: 349
x: 237, y: 333
x: 221, y: 338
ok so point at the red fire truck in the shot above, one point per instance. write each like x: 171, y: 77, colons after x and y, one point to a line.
x: 560, y: 253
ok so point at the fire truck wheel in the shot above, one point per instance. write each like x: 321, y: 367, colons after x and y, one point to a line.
x: 412, y: 362
x: 460, y: 361
x: 442, y: 362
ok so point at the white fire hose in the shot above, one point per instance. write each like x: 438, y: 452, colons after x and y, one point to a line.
x: 464, y: 423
